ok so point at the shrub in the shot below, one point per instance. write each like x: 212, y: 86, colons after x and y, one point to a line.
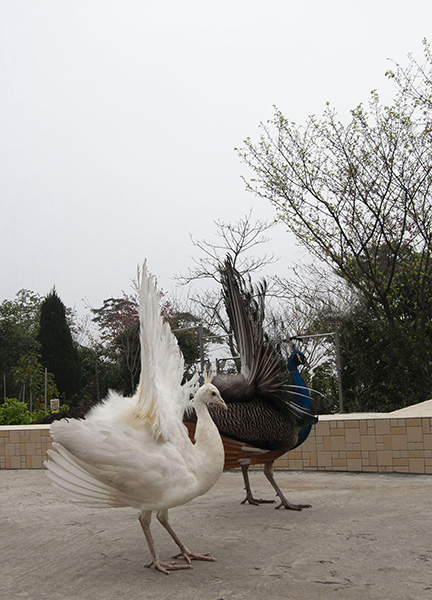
x: 14, y: 412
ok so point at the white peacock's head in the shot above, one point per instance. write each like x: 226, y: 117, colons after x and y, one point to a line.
x: 209, y: 394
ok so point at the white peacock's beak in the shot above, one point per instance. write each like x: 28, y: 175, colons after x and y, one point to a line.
x: 219, y: 401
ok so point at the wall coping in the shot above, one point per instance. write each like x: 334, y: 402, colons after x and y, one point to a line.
x: 31, y: 427
x: 398, y: 414
x: 368, y: 416
x: 369, y: 442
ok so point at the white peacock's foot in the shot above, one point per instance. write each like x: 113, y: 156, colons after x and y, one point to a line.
x: 290, y: 506
x: 189, y: 556
x: 166, y: 567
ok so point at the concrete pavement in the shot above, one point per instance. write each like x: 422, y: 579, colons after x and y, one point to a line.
x: 367, y: 536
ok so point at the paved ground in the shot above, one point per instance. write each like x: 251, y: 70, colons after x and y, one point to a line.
x: 367, y: 536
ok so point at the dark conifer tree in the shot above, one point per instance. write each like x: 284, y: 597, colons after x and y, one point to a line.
x: 58, y: 353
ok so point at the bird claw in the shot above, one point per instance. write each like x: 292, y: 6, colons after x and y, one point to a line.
x: 256, y: 502
x: 189, y: 556
x: 166, y: 567
x: 290, y: 506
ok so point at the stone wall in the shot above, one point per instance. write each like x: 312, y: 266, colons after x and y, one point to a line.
x: 381, y: 443
x: 23, y: 446
x: 378, y: 444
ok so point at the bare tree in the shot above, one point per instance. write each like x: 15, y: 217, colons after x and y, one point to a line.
x: 358, y: 197
x: 237, y: 239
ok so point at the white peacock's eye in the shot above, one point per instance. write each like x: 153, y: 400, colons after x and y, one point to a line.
x: 213, y: 393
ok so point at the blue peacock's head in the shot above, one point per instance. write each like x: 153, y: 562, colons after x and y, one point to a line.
x: 295, y: 359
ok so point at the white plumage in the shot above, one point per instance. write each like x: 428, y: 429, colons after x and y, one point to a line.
x: 136, y: 451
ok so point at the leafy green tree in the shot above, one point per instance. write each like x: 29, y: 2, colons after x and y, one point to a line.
x: 325, y: 381
x: 19, y: 325
x: 29, y: 371
x: 383, y: 366
x: 348, y: 191
x: 58, y: 353
x: 98, y: 374
x: 415, y: 80
x: 185, y: 327
x: 387, y: 364
x: 358, y: 197
x: 118, y: 323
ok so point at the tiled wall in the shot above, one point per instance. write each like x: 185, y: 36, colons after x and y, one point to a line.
x: 23, y: 446
x: 379, y: 444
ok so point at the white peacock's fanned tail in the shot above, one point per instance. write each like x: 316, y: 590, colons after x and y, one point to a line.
x: 69, y: 474
x: 161, y: 397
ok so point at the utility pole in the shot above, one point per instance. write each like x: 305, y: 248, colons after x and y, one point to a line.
x: 46, y: 376
x: 201, y: 345
x: 339, y: 370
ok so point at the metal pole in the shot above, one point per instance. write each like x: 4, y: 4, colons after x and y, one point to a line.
x: 339, y: 371
x: 311, y: 335
x: 201, y: 346
x: 46, y: 388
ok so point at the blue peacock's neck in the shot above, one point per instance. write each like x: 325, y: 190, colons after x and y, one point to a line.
x: 302, y: 397
x: 301, y: 394
x: 296, y: 378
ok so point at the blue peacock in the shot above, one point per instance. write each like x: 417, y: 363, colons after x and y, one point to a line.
x: 267, y: 416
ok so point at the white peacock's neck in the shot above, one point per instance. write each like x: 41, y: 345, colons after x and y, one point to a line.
x: 205, y: 427
x: 208, y: 443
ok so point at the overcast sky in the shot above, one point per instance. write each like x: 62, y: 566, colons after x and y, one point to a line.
x: 119, y: 119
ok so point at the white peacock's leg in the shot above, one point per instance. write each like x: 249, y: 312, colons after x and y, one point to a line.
x: 162, y: 516
x: 145, y: 519
x: 268, y: 472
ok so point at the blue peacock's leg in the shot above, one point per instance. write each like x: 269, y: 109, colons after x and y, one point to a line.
x: 268, y: 472
x: 249, y: 496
